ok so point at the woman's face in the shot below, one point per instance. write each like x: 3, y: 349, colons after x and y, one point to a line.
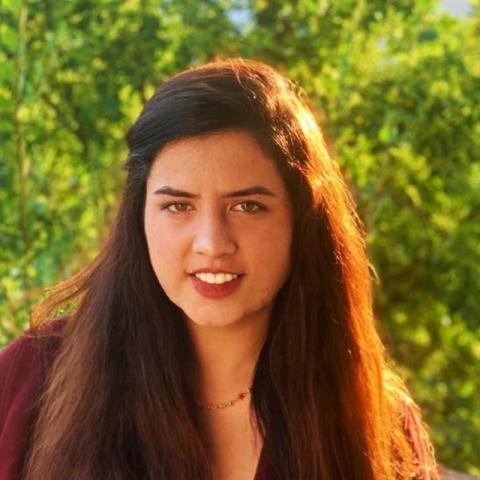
x: 218, y: 224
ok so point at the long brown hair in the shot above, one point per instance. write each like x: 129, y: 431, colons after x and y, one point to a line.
x: 117, y: 400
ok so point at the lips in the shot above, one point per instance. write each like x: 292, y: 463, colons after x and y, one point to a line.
x: 213, y: 290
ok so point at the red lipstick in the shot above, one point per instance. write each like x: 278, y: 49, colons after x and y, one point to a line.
x: 213, y: 290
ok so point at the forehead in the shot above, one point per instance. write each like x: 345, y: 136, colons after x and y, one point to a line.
x: 230, y: 158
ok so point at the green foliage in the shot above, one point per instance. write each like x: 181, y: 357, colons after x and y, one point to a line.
x: 396, y: 85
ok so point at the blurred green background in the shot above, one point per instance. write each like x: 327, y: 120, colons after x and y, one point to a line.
x: 396, y: 86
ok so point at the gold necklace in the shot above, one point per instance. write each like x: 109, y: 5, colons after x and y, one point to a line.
x: 215, y: 406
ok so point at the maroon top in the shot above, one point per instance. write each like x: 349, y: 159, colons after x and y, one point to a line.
x: 20, y: 380
x: 22, y: 367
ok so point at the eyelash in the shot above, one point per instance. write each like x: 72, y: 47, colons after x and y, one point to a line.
x: 258, y: 207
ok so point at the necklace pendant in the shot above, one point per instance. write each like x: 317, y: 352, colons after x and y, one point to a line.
x: 216, y: 406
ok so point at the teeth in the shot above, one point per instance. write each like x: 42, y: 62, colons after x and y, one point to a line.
x: 216, y: 278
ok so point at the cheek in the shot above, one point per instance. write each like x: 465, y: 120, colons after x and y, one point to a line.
x: 271, y: 253
x: 163, y: 246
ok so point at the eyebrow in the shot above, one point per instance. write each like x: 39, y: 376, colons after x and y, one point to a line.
x: 255, y: 190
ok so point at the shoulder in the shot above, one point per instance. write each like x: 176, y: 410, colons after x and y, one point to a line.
x: 18, y: 370
x: 22, y: 369
x: 22, y: 364
x: 418, y: 437
x: 21, y: 360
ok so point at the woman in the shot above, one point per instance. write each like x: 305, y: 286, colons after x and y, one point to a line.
x: 225, y: 331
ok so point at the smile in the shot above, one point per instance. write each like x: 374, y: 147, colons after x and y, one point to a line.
x: 215, y: 285
x: 216, y: 278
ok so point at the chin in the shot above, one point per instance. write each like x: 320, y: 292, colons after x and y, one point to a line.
x: 211, y: 317
x: 211, y: 322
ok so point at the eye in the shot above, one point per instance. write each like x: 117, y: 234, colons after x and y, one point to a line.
x: 177, y: 207
x: 250, y: 207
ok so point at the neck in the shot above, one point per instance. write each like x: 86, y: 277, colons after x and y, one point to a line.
x: 226, y: 358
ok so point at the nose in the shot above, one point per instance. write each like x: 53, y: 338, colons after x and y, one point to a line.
x: 213, y: 237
